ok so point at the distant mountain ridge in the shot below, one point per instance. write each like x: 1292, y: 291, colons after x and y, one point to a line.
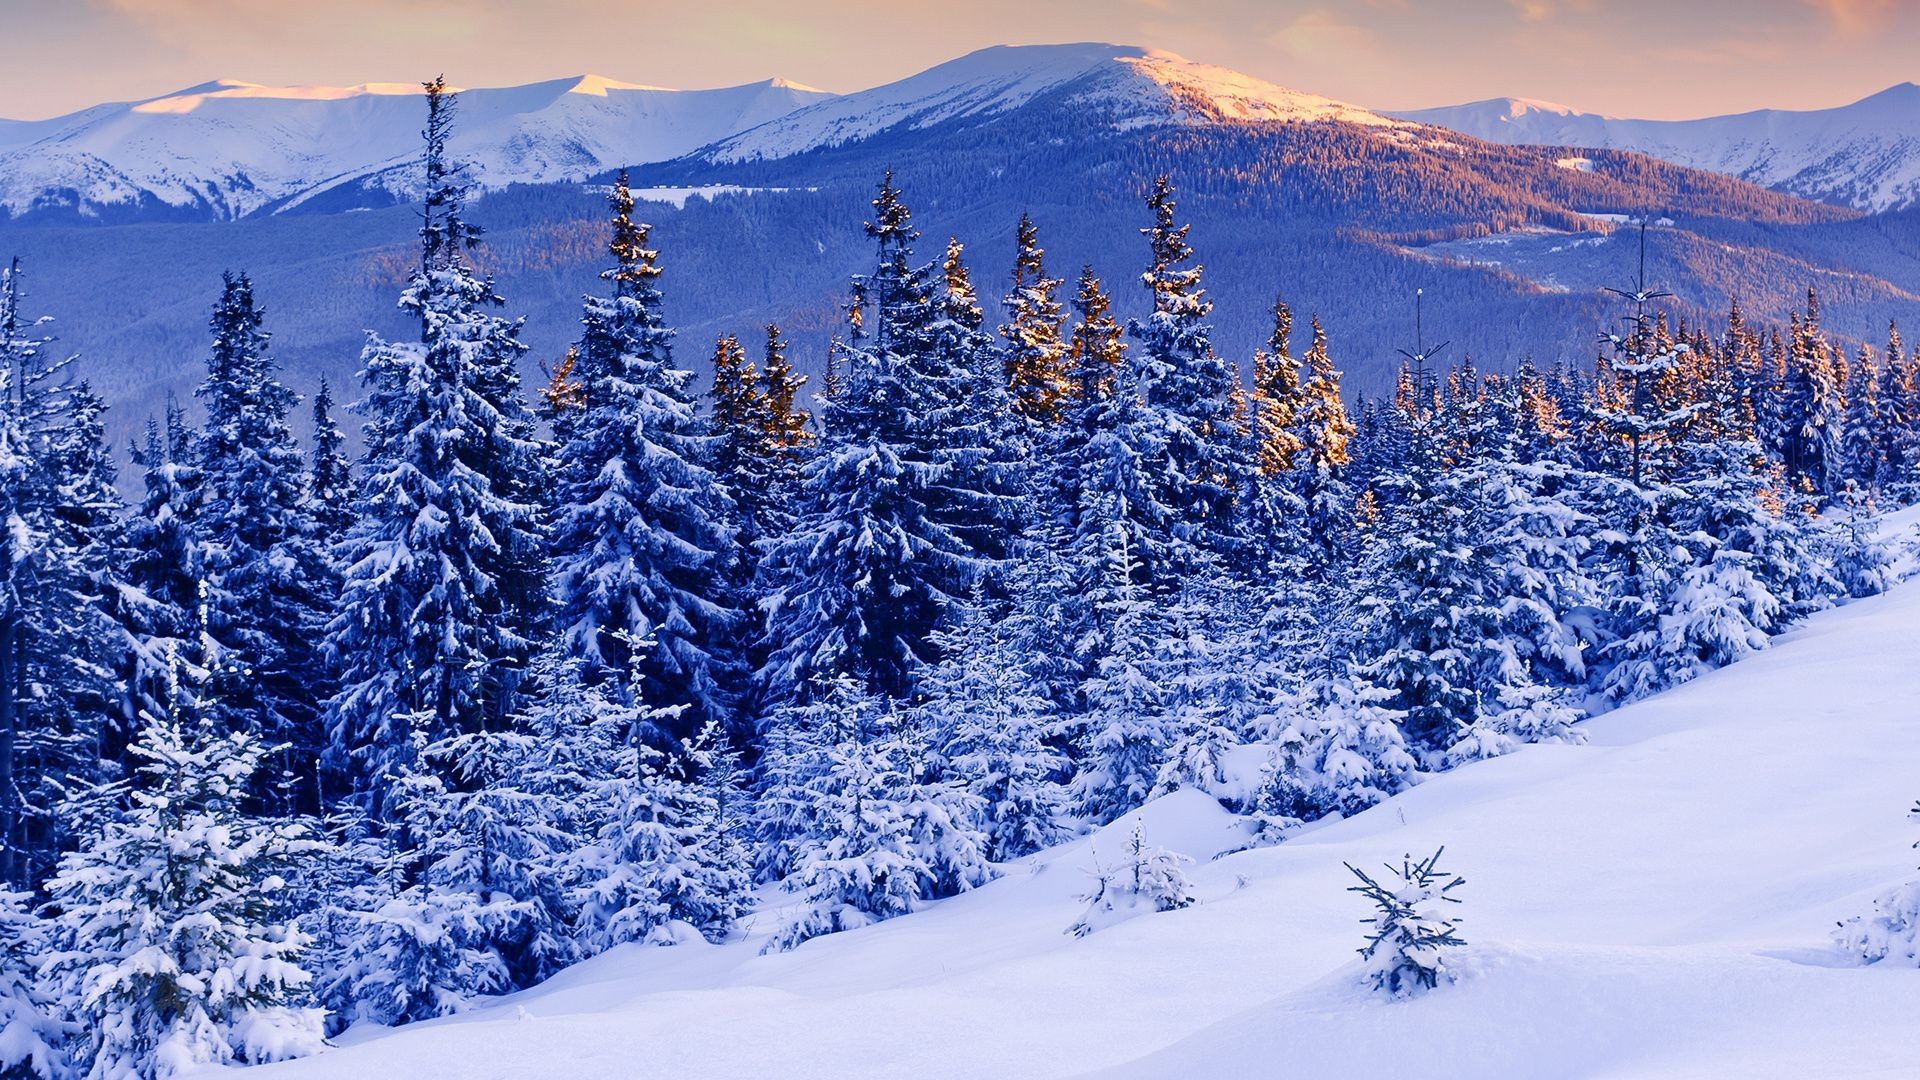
x: 1864, y: 155
x: 229, y: 149
x: 1116, y: 85
x: 226, y: 150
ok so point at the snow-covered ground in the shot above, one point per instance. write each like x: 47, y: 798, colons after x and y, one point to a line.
x: 1654, y: 903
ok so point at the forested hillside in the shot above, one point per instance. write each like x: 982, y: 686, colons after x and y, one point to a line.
x: 624, y: 653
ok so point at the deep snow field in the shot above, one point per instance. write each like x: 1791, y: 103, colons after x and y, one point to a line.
x: 1654, y: 903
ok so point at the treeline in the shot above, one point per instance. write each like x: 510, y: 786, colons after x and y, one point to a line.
x: 296, y: 743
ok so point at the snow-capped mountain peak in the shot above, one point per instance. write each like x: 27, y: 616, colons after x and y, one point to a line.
x: 1127, y: 86
x: 1866, y: 154
x: 231, y: 148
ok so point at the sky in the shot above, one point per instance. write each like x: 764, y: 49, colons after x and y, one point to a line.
x: 1667, y: 59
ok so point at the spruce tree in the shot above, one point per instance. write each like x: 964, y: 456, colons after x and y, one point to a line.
x: 173, y: 945
x: 1319, y: 474
x: 643, y: 533
x: 1037, y: 359
x: 445, y: 586
x: 59, y: 556
x: 1187, y: 385
x: 330, y: 494
x: 875, y: 556
x: 268, y: 581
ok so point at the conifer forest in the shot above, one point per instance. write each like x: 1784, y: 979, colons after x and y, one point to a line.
x: 382, y: 700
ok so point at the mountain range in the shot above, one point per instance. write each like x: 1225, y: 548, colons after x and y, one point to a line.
x: 1865, y: 155
x: 228, y: 149
x: 127, y: 214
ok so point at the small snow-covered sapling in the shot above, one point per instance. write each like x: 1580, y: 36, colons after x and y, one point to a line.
x: 1412, y: 933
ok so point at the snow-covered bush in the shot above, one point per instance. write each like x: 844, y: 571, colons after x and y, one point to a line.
x: 1152, y: 879
x: 1412, y: 933
x: 1892, y: 931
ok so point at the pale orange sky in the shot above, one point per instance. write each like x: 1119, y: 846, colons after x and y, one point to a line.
x: 1653, y: 58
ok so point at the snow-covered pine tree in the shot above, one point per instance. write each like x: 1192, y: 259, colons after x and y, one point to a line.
x: 990, y: 723
x: 1036, y: 356
x: 445, y: 580
x: 1318, y: 477
x: 643, y: 532
x: 267, y: 574
x: 1860, y: 425
x: 58, y: 556
x: 167, y: 574
x: 172, y: 946
x: 1152, y: 879
x: 874, y: 559
x: 1126, y: 730
x: 1420, y: 598
x: 1529, y: 663
x: 1412, y: 933
x: 1814, y: 451
x: 1273, y: 515
x: 330, y: 494
x: 982, y: 442
x: 867, y: 837
x: 660, y: 856
x: 1899, y: 434
x: 1340, y: 747
x: 1187, y: 386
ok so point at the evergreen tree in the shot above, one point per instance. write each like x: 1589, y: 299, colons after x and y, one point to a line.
x: 1187, y: 386
x: 330, y: 494
x: 266, y: 572
x: 172, y: 945
x: 876, y: 838
x: 1036, y: 359
x: 445, y: 585
x: 643, y: 533
x: 58, y: 551
x: 1412, y: 934
x: 1860, y: 431
x: 1152, y: 878
x: 875, y: 557
x: 1318, y: 477
x: 32, y: 1032
x: 991, y: 725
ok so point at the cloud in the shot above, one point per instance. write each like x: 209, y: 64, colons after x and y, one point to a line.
x: 1533, y: 10
x: 1855, y: 17
x: 1321, y: 34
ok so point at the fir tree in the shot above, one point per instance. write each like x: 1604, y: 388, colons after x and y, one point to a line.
x: 1037, y: 359
x: 643, y: 533
x: 991, y: 724
x: 33, y: 1034
x: 876, y: 839
x: 172, y: 944
x: 444, y: 586
x: 876, y: 557
x: 58, y: 556
x: 267, y: 574
x: 1318, y: 477
x: 1187, y: 386
x: 1152, y: 879
x: 330, y: 494
x: 1412, y: 934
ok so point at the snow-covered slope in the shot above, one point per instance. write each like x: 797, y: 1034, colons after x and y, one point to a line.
x: 1653, y: 904
x: 1866, y: 154
x: 231, y: 148
x: 1118, y: 85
